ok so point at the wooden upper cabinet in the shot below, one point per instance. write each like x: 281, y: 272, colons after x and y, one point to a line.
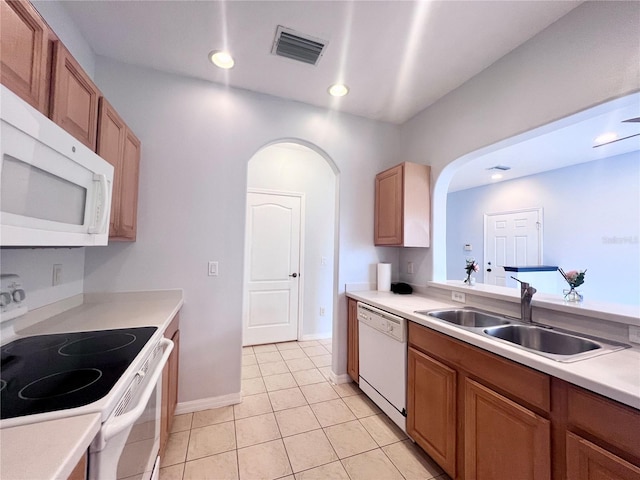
x: 129, y: 191
x: 503, y: 440
x: 402, y: 206
x: 112, y: 130
x: 121, y: 148
x: 74, y: 104
x: 25, y: 53
x: 353, y: 350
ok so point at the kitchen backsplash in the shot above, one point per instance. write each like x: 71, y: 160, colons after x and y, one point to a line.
x: 36, y: 269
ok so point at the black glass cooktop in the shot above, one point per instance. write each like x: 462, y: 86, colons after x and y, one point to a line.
x: 45, y: 373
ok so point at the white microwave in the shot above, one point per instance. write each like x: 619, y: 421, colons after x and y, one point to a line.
x: 54, y: 191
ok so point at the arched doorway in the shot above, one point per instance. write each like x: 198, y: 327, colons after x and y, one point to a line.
x: 290, y: 244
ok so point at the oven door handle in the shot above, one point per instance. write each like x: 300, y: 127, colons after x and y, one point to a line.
x: 115, y: 425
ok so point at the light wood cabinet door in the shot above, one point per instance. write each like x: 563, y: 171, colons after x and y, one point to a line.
x: 120, y: 147
x: 111, y: 135
x: 389, y: 208
x: 128, y: 214
x: 24, y: 53
x: 353, y: 351
x: 431, y: 408
x: 503, y: 440
x: 403, y: 206
x: 170, y: 384
x: 587, y: 461
x: 74, y: 103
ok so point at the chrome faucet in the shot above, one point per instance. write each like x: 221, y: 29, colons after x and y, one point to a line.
x: 526, y: 294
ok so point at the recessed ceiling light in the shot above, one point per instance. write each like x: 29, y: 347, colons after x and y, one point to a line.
x: 338, y: 90
x: 605, y: 138
x: 221, y: 59
x: 496, y: 176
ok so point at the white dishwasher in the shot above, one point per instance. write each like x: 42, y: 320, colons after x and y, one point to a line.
x: 383, y: 361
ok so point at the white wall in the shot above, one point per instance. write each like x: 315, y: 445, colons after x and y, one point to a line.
x: 587, y: 57
x: 68, y: 33
x: 287, y: 167
x: 197, y: 139
x: 591, y: 221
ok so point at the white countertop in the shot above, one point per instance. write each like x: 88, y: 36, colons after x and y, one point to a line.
x: 46, y: 450
x: 51, y: 449
x: 615, y: 375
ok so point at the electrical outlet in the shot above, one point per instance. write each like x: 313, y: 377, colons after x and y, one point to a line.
x: 56, y: 278
x: 634, y: 334
x: 410, y: 267
x: 322, y: 311
x: 213, y: 269
x: 458, y: 297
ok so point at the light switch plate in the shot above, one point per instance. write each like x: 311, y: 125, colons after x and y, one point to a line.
x: 213, y: 269
x: 458, y: 297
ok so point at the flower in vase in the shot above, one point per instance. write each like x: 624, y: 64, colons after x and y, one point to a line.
x: 574, y: 278
x: 471, y: 267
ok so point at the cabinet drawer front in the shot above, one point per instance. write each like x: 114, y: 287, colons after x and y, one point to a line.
x: 586, y: 461
x: 526, y: 384
x: 616, y: 424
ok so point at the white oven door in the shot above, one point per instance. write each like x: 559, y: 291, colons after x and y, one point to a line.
x: 128, y: 443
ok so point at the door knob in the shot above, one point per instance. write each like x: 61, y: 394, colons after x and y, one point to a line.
x: 294, y: 275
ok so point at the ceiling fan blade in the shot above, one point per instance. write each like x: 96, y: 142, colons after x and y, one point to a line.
x: 616, y: 140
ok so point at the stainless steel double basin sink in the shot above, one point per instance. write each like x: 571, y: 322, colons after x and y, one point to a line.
x: 553, y: 343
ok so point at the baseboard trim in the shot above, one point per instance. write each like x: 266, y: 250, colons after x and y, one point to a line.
x: 208, y: 403
x: 338, y: 379
x: 315, y: 336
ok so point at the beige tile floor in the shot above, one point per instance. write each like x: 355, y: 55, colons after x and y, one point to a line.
x: 293, y: 424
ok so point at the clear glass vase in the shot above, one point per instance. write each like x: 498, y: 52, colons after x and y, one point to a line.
x: 572, y: 295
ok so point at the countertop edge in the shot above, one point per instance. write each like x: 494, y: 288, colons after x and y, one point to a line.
x: 72, y: 435
x: 583, y: 373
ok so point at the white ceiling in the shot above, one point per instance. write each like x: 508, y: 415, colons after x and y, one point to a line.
x: 567, y: 142
x: 397, y: 57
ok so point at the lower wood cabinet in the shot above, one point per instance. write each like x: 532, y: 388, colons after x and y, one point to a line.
x: 353, y: 351
x: 170, y: 384
x: 483, y: 417
x: 503, y: 440
x: 587, y: 461
x: 432, y: 401
x: 80, y: 470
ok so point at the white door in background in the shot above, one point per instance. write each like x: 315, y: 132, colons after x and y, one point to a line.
x: 511, y: 239
x: 272, y: 268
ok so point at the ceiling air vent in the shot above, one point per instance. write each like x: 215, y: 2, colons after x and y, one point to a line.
x: 499, y: 167
x: 297, y: 46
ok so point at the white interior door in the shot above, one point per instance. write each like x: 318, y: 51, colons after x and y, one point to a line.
x: 272, y: 268
x: 511, y: 239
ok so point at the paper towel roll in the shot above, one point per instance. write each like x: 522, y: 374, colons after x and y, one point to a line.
x: 384, y: 277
